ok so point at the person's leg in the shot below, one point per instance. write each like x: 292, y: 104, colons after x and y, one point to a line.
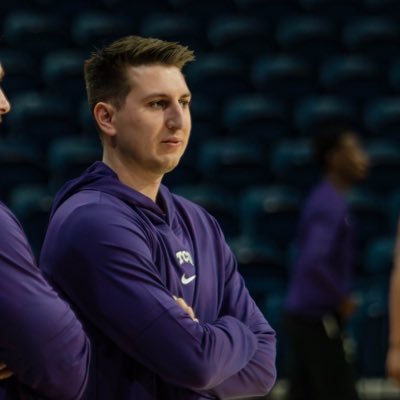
x: 331, y: 373
x: 299, y: 342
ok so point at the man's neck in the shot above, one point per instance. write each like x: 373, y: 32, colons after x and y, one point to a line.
x: 136, y: 178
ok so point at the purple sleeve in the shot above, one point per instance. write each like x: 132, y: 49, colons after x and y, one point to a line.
x: 258, y: 376
x: 41, y: 341
x: 118, y: 288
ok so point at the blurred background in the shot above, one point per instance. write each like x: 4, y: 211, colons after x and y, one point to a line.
x: 268, y: 75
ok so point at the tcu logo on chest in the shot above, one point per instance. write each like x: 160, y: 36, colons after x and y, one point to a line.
x: 184, y: 257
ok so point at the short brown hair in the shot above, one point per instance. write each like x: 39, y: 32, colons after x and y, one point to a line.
x: 105, y: 70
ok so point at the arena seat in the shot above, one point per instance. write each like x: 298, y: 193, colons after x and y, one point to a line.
x: 312, y: 113
x: 284, y: 76
x: 262, y: 118
x: 270, y: 213
x: 235, y: 164
x: 242, y: 35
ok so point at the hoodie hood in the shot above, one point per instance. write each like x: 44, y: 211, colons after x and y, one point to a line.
x: 100, y: 177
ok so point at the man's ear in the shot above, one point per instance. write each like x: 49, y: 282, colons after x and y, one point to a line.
x: 103, y: 113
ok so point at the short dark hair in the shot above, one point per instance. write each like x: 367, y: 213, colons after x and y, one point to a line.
x: 328, y: 138
x: 105, y: 70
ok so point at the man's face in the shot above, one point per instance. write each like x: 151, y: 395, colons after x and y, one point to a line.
x: 153, y: 125
x: 350, y: 159
x: 4, y: 104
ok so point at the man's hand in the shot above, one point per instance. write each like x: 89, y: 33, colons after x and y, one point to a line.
x: 5, y: 372
x: 393, y: 363
x: 186, y: 308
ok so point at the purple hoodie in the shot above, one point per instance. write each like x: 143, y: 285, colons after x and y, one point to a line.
x: 41, y: 340
x: 322, y: 277
x: 120, y: 258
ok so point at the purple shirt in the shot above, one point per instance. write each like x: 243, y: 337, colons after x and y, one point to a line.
x: 120, y: 258
x: 41, y: 340
x: 322, y: 275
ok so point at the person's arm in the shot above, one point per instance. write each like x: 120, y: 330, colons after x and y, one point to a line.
x: 393, y: 356
x: 41, y: 341
x: 103, y: 263
x: 258, y: 376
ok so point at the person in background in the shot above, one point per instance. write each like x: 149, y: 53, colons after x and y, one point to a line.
x: 43, y: 348
x: 319, y: 299
x: 393, y: 355
x: 154, y: 281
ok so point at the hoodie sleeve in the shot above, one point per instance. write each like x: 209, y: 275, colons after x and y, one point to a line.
x: 105, y: 267
x: 41, y: 341
x: 258, y: 376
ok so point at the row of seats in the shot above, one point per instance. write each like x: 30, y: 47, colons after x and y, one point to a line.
x: 263, y: 214
x: 232, y: 164
x: 285, y: 76
x: 38, y: 118
x: 313, y: 36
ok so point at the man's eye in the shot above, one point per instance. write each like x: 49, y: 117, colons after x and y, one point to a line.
x: 185, y: 103
x: 158, y: 104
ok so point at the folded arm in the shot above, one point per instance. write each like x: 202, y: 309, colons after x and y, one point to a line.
x: 105, y: 267
x: 41, y: 341
x: 258, y: 376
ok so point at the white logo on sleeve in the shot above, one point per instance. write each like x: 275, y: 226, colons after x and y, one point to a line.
x: 184, y: 257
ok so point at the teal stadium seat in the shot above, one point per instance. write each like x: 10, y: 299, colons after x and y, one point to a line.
x: 393, y: 211
x: 385, y: 165
x: 379, y: 258
x: 382, y: 7
x: 260, y: 118
x: 217, y: 75
x: 372, y: 332
x: 368, y: 217
x: 270, y: 10
x: 205, y: 112
x: 284, y: 76
x: 201, y: 9
x: 240, y: 34
x: 262, y: 265
x: 62, y: 72
x: 217, y: 201
x: 337, y: 10
x: 20, y: 164
x: 21, y: 70
x: 270, y: 213
x: 354, y: 77
x: 32, y: 205
x: 273, y: 309
x: 292, y: 164
x: 35, y: 33
x: 174, y: 27
x: 68, y: 9
x: 38, y: 118
x: 382, y: 117
x: 311, y: 37
x: 235, y: 164
x: 313, y: 113
x: 96, y: 28
x: 377, y: 38
x: 68, y: 157
x: 394, y: 76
